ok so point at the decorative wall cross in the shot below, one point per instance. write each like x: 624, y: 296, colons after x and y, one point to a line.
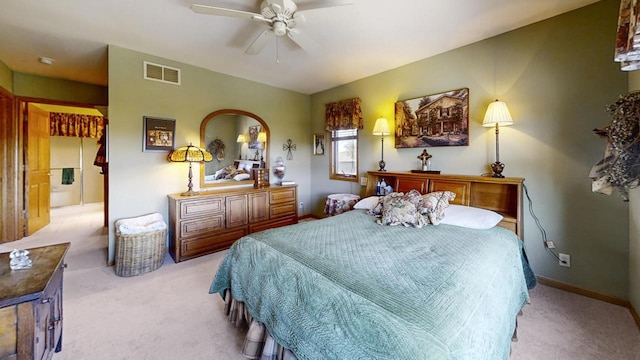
x: 288, y: 147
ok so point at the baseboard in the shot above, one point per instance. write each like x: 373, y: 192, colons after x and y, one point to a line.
x: 635, y: 315
x: 580, y: 291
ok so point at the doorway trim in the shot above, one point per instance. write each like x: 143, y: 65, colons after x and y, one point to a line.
x: 18, y: 212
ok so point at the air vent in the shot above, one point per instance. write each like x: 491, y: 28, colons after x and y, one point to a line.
x: 161, y: 73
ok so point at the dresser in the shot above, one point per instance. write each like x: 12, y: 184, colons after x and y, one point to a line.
x: 31, y: 305
x: 213, y: 220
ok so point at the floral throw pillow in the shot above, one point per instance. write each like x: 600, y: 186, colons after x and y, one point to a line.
x: 402, y: 209
x: 434, y: 203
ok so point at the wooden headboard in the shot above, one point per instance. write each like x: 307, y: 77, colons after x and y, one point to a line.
x: 502, y: 195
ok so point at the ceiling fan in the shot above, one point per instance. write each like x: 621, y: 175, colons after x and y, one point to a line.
x: 281, y: 17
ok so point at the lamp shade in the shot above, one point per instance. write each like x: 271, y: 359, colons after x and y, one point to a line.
x: 262, y: 137
x: 241, y: 138
x: 497, y: 113
x: 381, y: 127
x: 190, y: 153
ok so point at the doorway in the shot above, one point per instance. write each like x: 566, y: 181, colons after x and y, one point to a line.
x: 33, y: 147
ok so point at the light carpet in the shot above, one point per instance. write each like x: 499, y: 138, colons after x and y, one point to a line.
x: 169, y: 314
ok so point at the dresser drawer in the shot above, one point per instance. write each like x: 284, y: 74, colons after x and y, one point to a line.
x: 282, y: 195
x: 199, y: 207
x: 203, y: 225
x: 279, y: 210
x: 204, y: 245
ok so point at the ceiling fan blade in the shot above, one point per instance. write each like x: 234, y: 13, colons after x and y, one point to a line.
x: 259, y: 43
x: 305, y: 42
x: 212, y: 10
x: 323, y: 4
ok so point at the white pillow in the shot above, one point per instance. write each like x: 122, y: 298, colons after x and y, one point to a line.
x: 367, y: 203
x: 470, y: 217
x: 241, y: 177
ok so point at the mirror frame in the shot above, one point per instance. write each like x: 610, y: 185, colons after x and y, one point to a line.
x: 203, y: 128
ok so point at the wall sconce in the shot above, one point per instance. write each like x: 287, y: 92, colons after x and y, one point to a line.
x: 381, y: 128
x: 242, y: 138
x: 190, y: 154
x: 497, y: 114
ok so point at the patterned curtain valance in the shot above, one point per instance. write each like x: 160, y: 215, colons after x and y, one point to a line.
x: 627, y: 50
x: 77, y: 125
x: 344, y: 115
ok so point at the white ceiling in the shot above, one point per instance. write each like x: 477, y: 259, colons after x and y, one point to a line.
x: 367, y: 38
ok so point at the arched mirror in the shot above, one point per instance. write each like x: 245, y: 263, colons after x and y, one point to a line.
x: 238, y: 141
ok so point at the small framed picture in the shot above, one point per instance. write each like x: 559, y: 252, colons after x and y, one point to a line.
x: 318, y: 144
x: 159, y: 134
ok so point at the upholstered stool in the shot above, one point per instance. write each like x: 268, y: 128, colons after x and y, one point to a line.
x: 339, y: 203
x: 141, y: 244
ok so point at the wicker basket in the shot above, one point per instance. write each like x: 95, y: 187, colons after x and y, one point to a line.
x: 138, y: 254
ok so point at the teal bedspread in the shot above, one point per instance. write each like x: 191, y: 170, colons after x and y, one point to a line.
x: 347, y: 288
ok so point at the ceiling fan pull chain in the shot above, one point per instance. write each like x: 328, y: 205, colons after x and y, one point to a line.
x: 277, y: 51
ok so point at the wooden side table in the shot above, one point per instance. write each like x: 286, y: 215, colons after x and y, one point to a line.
x: 339, y: 203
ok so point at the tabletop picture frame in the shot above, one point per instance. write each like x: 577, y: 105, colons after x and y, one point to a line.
x: 158, y: 134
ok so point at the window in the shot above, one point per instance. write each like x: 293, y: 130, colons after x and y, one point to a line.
x: 344, y: 155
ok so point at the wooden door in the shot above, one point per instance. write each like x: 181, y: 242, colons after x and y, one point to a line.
x: 38, y: 174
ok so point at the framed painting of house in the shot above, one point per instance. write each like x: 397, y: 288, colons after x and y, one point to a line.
x: 433, y: 120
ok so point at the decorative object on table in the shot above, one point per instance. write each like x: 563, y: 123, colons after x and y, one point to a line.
x: 318, y: 144
x: 497, y: 114
x: 216, y: 148
x: 288, y: 147
x: 19, y: 260
x: 425, y: 164
x: 242, y: 138
x: 382, y: 188
x: 433, y: 120
x: 425, y: 158
x: 190, y: 154
x: 619, y: 168
x: 159, y: 134
x: 279, y: 170
x: 381, y: 128
x: 260, y: 180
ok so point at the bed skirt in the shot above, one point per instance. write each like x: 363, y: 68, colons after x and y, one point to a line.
x: 259, y: 344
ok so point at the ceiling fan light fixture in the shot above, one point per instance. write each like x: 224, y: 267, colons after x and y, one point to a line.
x: 279, y: 28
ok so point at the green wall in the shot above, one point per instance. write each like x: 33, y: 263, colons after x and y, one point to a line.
x: 41, y: 87
x: 556, y: 76
x: 6, y: 77
x: 140, y: 181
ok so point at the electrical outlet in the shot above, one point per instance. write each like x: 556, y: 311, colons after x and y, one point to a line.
x: 364, y: 181
x: 300, y: 204
x: 565, y: 260
x: 550, y: 244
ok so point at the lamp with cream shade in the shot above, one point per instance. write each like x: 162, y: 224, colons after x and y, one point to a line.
x: 242, y: 138
x: 190, y: 154
x: 497, y: 115
x: 381, y: 128
x: 262, y: 137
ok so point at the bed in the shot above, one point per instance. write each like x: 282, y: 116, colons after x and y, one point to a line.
x: 346, y: 287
